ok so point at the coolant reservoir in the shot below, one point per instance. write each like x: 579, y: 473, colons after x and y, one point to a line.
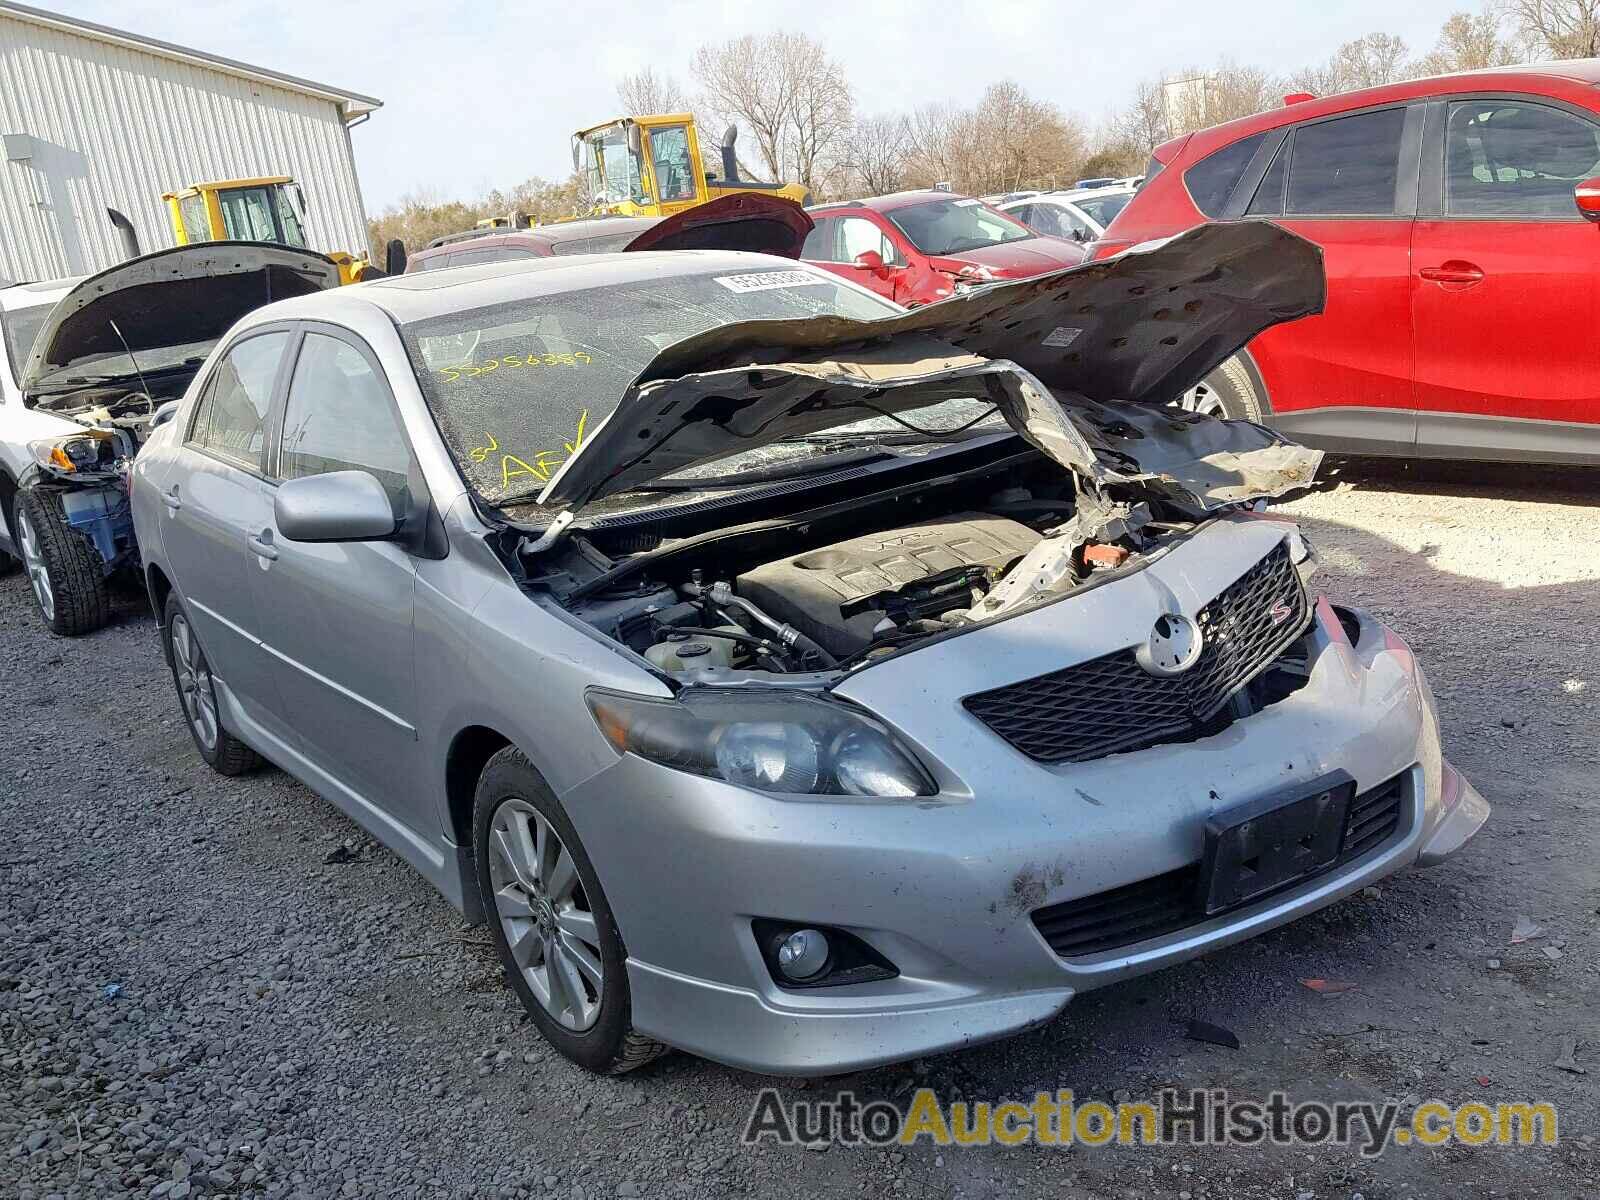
x: 686, y: 651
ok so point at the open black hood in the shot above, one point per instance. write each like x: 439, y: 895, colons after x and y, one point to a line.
x: 185, y: 297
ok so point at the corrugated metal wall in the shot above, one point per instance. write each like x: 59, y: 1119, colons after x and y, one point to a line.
x: 116, y: 127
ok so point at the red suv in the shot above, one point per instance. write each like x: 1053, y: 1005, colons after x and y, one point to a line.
x: 1457, y: 218
x: 918, y: 247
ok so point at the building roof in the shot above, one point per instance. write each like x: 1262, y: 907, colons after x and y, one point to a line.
x: 352, y: 105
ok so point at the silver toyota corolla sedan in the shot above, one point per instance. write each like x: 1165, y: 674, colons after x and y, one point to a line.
x: 783, y: 677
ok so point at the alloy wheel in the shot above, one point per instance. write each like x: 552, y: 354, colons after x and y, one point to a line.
x: 33, y: 562
x: 545, y: 915
x: 195, y: 690
x: 1201, y: 399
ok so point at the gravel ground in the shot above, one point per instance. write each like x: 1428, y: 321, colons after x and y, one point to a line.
x: 193, y: 1002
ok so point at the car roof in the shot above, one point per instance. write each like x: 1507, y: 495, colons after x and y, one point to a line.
x: 887, y: 203
x: 1073, y: 195
x: 1577, y: 76
x: 427, y: 294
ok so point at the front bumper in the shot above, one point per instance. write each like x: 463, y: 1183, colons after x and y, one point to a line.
x: 944, y: 886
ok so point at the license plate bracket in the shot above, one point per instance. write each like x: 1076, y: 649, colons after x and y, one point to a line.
x: 1268, y: 843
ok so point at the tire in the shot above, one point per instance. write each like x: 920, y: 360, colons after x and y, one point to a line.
x: 1229, y: 392
x: 560, y: 933
x: 64, y: 571
x: 197, y: 696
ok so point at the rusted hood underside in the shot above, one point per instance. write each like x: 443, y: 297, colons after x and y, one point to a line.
x: 1081, y: 363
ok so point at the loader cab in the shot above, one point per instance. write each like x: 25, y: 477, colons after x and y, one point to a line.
x: 240, y: 210
x: 641, y: 166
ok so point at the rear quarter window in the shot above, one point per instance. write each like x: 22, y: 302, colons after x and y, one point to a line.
x: 1212, y: 180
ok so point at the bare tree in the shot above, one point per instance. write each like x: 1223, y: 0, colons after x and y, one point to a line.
x: 1559, y: 28
x: 1371, y: 61
x: 743, y: 80
x: 820, y: 108
x: 1470, y: 43
x: 645, y: 93
x: 1195, y: 99
x: 1143, y: 124
x: 931, y: 131
x: 876, y: 152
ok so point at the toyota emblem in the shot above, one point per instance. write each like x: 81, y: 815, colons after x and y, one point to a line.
x: 1174, y: 645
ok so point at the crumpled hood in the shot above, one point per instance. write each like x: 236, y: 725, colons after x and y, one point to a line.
x: 188, y: 296
x: 743, y: 221
x: 1081, y: 362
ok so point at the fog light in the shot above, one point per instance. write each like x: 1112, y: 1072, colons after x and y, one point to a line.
x: 803, y: 954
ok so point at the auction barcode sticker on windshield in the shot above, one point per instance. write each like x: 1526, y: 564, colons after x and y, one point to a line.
x: 766, y: 281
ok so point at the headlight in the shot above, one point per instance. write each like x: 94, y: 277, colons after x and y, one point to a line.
x: 792, y: 744
x: 92, y: 450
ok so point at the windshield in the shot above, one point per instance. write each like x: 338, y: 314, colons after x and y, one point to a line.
x: 951, y: 226
x: 517, y: 387
x: 21, y: 326
x: 611, y: 169
x: 1102, y: 209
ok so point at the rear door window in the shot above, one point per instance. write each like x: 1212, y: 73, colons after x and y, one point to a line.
x: 1268, y: 200
x: 1346, y: 167
x: 1516, y: 159
x: 820, y: 242
x: 1212, y: 180
x: 231, y: 422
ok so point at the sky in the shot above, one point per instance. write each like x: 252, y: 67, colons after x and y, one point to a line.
x: 487, y: 93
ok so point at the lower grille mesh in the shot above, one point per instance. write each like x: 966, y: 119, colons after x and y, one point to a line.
x: 1164, y: 904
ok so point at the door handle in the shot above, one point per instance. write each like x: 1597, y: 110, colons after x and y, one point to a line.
x: 1454, y: 271
x: 261, y: 543
x: 171, y: 500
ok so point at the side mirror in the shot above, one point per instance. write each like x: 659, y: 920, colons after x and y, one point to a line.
x: 343, y: 506
x: 164, y: 414
x: 394, y: 257
x: 1587, y: 195
x: 871, y: 260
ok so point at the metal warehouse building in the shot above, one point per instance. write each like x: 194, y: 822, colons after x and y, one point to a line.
x: 95, y: 119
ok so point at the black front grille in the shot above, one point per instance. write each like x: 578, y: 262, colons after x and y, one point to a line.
x: 1112, y: 703
x: 1163, y: 904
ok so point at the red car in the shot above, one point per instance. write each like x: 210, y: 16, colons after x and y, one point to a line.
x: 1457, y: 217
x: 918, y: 247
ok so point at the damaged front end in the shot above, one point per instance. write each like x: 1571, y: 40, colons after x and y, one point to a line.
x: 1080, y: 364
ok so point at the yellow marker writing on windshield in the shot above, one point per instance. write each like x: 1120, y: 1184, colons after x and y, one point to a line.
x: 488, y: 366
x: 544, y: 463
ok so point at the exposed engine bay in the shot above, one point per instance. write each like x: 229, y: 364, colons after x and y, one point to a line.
x: 837, y: 593
x: 1101, y: 475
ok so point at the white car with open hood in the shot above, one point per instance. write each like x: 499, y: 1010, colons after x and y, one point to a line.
x: 782, y: 676
x: 85, y: 365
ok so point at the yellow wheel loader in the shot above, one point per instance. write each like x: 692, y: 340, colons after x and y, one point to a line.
x: 651, y: 167
x: 252, y: 210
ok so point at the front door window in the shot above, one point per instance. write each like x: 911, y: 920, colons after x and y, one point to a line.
x: 669, y: 149
x: 248, y: 216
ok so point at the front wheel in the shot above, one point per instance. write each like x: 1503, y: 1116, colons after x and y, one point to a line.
x: 1228, y: 392
x: 64, y: 570
x: 550, y: 921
